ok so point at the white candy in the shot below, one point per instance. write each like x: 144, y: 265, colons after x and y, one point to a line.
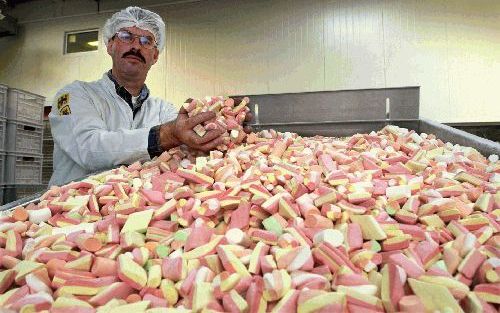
x: 495, y: 178
x: 493, y: 158
x: 86, y: 227
x: 416, y: 138
x: 396, y: 192
x: 147, y: 185
x: 235, y: 236
x: 331, y: 236
x: 185, y: 163
x: 137, y: 183
x: 40, y: 215
x: 300, y: 260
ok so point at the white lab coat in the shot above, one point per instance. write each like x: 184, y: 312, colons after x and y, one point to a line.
x: 100, y: 132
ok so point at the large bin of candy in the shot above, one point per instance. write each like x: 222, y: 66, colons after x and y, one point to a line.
x: 385, y: 221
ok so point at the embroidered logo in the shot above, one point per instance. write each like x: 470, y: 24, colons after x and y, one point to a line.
x: 63, y: 104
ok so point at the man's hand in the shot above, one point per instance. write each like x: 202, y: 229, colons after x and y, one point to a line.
x: 248, y: 116
x: 181, y: 131
x: 248, y: 119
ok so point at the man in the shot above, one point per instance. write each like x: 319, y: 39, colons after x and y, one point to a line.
x: 114, y: 120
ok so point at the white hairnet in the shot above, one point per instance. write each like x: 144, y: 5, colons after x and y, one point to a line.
x: 140, y: 18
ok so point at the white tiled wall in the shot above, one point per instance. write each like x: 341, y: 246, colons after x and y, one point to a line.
x: 451, y: 48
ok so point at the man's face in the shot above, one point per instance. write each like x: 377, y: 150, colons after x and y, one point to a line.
x: 132, y: 58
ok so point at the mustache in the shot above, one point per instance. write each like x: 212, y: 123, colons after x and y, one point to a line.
x: 134, y: 53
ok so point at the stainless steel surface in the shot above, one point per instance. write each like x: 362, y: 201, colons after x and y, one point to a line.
x: 457, y: 136
x: 343, y: 105
x: 23, y: 202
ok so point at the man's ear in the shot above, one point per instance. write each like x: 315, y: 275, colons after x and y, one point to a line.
x: 156, y: 55
x: 109, y: 46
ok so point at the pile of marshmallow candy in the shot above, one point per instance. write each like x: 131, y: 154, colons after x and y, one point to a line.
x: 391, y: 221
x: 229, y: 117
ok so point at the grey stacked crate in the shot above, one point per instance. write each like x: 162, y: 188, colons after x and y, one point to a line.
x: 3, y: 113
x: 3, y: 134
x: 47, y: 152
x: 24, y: 106
x: 2, y: 168
x: 47, y: 134
x: 24, y: 137
x: 22, y: 171
x: 3, y: 100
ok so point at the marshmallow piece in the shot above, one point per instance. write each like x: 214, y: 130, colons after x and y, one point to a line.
x: 194, y: 176
x: 202, y: 295
x: 71, y: 304
x: 24, y: 268
x: 398, y: 192
x: 6, y: 279
x: 203, y: 250
x: 131, y: 273
x: 138, y: 221
x: 13, y: 243
x: 458, y: 289
x: 370, y: 228
x: 434, y: 297
x: 333, y: 236
x: 392, y: 286
x: 233, y: 302
x: 40, y: 215
x: 169, y: 291
x: 140, y: 306
x: 276, y: 285
x: 411, y: 304
x: 199, y: 130
x: 230, y: 262
x: 488, y: 292
x: 85, y: 227
x: 311, y: 301
x: 493, y: 158
x: 236, y: 236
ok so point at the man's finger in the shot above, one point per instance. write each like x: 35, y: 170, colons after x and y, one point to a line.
x: 211, y: 145
x: 248, y: 117
x: 210, y: 135
x: 237, y: 100
x: 199, y: 118
x: 247, y: 129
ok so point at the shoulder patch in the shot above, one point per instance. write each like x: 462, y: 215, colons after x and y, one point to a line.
x: 63, y: 104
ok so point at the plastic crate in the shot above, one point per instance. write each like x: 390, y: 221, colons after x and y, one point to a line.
x: 23, y: 169
x: 47, y: 134
x: 24, y: 138
x: 3, y: 135
x: 46, y: 173
x: 47, y: 148
x: 3, y: 100
x: 2, y: 191
x: 25, y: 106
x: 3, y: 158
x: 16, y: 192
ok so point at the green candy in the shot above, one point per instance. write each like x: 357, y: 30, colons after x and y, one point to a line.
x: 181, y: 235
x: 162, y: 251
x: 272, y: 225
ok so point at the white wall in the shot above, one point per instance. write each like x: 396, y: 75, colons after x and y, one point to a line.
x: 451, y: 48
